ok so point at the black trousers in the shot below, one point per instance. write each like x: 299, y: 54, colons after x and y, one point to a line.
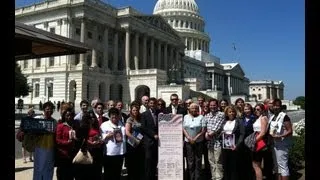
x: 135, y: 163
x: 194, y: 158
x: 207, y: 171
x: 65, y: 169
x: 112, y: 166
x: 230, y: 165
x: 268, y: 164
x: 151, y: 161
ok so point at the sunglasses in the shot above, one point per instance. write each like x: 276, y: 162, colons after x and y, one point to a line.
x: 174, y: 99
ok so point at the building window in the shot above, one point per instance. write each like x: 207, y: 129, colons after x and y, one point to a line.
x: 253, y: 89
x: 25, y: 64
x: 38, y: 62
x: 89, y: 35
x: 53, y: 30
x: 78, y: 31
x: 259, y: 96
x: 51, y: 61
x: 77, y: 59
x: 37, y: 90
x: 100, y: 38
x: 50, y: 89
x: 259, y: 89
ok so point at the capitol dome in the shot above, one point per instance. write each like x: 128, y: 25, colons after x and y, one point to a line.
x: 184, y: 5
x: 184, y: 16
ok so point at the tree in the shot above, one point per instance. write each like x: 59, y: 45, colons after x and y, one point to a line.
x: 21, y: 85
x: 299, y: 101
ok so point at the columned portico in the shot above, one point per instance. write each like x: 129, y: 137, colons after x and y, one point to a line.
x: 82, y: 39
x: 212, y: 76
x: 115, y: 52
x: 127, y: 50
x: 144, y: 57
x: 94, y: 58
x: 106, y: 48
x: 159, y: 56
x: 136, y: 39
x: 165, y: 54
x: 94, y: 52
x: 152, y: 64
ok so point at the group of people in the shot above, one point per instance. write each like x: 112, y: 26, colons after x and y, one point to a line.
x: 116, y: 139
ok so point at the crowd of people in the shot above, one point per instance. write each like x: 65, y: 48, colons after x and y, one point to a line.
x: 115, y: 139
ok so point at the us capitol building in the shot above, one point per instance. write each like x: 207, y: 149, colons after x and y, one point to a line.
x: 132, y: 54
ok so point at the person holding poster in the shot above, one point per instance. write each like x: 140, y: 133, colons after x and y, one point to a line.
x: 233, y: 132
x: 113, y: 135
x: 194, y: 129
x: 43, y: 166
x: 149, y: 128
x: 135, y: 148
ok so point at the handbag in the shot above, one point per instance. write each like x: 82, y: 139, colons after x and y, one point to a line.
x: 250, y: 141
x: 83, y: 157
x: 261, y: 145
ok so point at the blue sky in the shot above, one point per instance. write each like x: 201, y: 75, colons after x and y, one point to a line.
x: 269, y: 36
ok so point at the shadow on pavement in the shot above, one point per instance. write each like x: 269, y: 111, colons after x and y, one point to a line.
x: 22, y: 169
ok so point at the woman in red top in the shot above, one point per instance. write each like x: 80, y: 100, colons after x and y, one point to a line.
x: 65, y: 144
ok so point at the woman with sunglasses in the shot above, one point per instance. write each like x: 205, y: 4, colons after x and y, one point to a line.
x: 260, y: 127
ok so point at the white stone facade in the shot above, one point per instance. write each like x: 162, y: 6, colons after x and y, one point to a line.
x: 266, y: 89
x: 132, y: 54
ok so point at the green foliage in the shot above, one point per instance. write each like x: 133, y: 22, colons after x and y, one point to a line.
x: 297, y: 153
x: 300, y: 101
x: 21, y: 85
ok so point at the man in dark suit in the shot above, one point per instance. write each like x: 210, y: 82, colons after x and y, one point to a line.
x: 149, y: 130
x: 174, y: 108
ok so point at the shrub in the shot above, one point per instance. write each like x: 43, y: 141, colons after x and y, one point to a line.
x: 297, y: 153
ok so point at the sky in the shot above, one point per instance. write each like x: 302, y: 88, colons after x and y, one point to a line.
x: 269, y: 36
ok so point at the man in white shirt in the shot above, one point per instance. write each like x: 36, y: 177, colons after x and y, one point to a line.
x: 144, y: 104
x: 84, y: 106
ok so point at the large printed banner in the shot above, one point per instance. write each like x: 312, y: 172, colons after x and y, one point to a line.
x: 170, y: 165
x: 34, y: 125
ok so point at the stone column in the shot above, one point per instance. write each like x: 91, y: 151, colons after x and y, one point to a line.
x: 82, y: 39
x: 186, y: 43
x: 278, y: 93
x: 144, y: 58
x: 94, y: 58
x: 271, y: 93
x: 212, y: 85
x: 159, y: 55
x: 152, y: 53
x: 192, y: 43
x: 106, y: 48
x: 115, y: 53
x: 137, y: 46
x: 165, y: 54
x: 127, y: 51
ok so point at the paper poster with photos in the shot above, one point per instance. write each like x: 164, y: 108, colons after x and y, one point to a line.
x: 136, y: 139
x: 117, y: 135
x: 228, y: 141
